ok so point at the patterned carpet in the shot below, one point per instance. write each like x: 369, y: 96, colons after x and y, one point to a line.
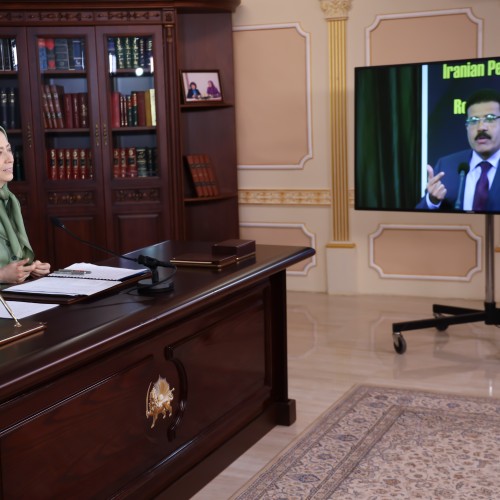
x: 383, y: 443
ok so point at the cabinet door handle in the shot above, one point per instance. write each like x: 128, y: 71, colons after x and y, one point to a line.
x: 105, y: 134
x: 97, y: 134
x: 158, y: 399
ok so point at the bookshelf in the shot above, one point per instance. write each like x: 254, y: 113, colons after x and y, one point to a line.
x: 90, y: 95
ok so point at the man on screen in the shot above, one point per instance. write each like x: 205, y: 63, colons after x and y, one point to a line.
x: 467, y: 180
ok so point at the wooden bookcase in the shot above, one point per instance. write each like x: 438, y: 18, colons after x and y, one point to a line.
x: 103, y: 165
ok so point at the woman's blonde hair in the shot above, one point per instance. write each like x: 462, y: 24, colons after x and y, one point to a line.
x: 4, y: 132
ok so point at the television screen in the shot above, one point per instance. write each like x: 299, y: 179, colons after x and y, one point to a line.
x: 419, y: 146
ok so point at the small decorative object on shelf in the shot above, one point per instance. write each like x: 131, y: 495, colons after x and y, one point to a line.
x: 201, y: 86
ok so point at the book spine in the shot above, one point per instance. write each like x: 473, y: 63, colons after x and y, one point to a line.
x: 50, y: 105
x: 45, y: 109
x: 153, y: 107
x: 51, y: 54
x: 115, y: 110
x: 142, y: 170
x: 141, y: 108
x: 57, y: 91
x: 133, y: 108
x: 67, y: 163
x: 77, y: 53
x: 83, y: 168
x: 75, y: 164
x: 61, y: 165
x: 83, y: 107
x: 61, y: 53
x: 131, y: 162
x: 116, y: 163
x: 194, y: 169
x: 147, y: 108
x: 52, y: 164
x: 127, y: 50
x: 120, y: 52
x: 68, y: 111
x: 76, y: 110
x: 210, y: 175
x: 3, y: 107
x: 13, y: 53
x: 112, y: 54
x: 42, y: 54
x: 12, y: 109
x: 7, y: 59
x: 123, y: 111
x: 123, y: 162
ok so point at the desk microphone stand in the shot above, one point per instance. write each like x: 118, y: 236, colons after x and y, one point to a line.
x: 10, y: 332
x: 449, y: 315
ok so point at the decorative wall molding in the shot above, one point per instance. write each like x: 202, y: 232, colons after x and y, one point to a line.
x: 336, y: 9
x: 436, y: 254
x: 307, y: 38
x: 467, y: 11
x: 318, y: 197
x: 309, y: 263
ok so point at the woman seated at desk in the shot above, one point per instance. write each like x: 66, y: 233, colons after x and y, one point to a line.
x: 17, y: 260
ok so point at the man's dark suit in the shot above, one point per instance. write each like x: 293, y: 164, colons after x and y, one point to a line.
x: 449, y: 165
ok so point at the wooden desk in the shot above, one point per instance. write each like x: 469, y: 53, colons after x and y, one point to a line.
x: 73, y: 399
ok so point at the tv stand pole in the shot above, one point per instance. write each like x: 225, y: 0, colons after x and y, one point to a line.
x: 449, y: 315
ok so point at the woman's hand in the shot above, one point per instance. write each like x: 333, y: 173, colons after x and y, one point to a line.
x: 16, y: 272
x: 40, y: 269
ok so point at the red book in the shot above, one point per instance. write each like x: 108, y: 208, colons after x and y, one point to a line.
x: 209, y: 172
x: 194, y: 169
x: 116, y: 163
x: 83, y: 107
x: 131, y: 162
x: 67, y: 163
x: 76, y: 111
x: 75, y: 164
x: 115, y: 110
x: 123, y: 162
x: 47, y: 121
x: 68, y: 111
x: 57, y: 92
x: 50, y: 106
x: 61, y: 164
x: 52, y: 164
x: 141, y: 109
x: 83, y: 166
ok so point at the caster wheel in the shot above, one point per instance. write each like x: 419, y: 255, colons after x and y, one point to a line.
x: 399, y: 343
x: 440, y: 328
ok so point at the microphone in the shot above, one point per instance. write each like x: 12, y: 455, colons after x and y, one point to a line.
x: 156, y: 285
x: 463, y: 170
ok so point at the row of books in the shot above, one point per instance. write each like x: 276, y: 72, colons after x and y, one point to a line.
x: 9, y: 117
x: 61, y: 110
x: 134, y: 162
x: 61, y: 53
x: 69, y: 164
x: 138, y: 109
x: 8, y: 54
x: 203, y: 175
x: 130, y: 52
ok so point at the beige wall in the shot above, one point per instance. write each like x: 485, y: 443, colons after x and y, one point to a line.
x: 288, y: 177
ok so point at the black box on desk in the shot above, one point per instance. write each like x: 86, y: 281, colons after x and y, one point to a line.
x: 241, y: 249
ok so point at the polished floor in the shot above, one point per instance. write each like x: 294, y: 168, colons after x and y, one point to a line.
x: 335, y: 342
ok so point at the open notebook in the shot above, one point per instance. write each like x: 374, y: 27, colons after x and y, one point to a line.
x: 78, y: 279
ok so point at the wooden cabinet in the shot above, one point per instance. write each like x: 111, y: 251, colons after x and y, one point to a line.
x: 100, y: 127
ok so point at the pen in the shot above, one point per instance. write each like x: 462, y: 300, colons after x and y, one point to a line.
x: 70, y: 271
x: 10, y: 311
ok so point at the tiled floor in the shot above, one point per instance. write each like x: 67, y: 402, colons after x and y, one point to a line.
x: 336, y: 342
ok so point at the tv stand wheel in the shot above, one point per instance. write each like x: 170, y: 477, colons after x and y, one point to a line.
x: 399, y: 342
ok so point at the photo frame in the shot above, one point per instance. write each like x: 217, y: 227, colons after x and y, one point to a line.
x: 201, y: 86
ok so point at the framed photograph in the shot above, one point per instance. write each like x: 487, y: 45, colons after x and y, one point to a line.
x: 201, y: 86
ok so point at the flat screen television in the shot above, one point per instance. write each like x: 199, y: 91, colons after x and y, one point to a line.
x: 408, y: 116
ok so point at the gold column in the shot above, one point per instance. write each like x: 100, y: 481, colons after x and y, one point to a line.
x: 336, y: 15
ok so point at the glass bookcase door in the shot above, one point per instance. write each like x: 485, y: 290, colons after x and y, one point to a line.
x: 14, y: 96
x: 65, y: 105
x: 131, y: 95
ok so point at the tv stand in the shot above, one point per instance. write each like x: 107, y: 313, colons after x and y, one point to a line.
x: 449, y: 315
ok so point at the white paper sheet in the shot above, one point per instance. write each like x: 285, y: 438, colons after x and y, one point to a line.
x: 23, y: 309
